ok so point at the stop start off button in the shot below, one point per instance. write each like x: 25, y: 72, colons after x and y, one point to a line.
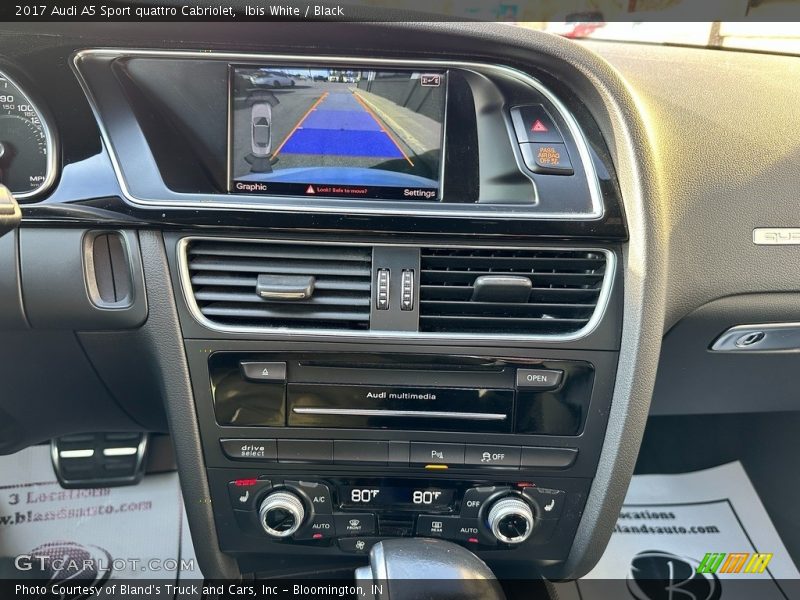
x: 540, y: 379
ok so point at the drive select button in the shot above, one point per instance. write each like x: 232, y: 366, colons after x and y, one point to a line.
x: 241, y: 449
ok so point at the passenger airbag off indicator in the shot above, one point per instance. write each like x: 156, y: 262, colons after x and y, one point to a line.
x: 539, y: 379
x: 550, y: 159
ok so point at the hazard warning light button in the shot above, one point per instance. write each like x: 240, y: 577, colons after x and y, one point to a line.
x: 533, y: 123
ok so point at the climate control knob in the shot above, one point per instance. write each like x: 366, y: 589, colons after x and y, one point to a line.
x: 511, y: 520
x: 281, y: 514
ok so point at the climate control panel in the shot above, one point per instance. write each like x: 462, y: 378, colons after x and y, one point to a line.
x: 349, y: 515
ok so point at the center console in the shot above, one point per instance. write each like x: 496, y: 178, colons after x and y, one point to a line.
x: 400, y: 297
x: 318, y: 450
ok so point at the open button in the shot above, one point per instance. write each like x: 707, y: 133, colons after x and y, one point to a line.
x: 540, y: 379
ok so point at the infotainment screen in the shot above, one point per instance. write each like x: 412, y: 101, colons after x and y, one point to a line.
x: 337, y: 132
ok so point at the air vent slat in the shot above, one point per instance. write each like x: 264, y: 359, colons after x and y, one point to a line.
x: 440, y: 307
x: 322, y: 283
x: 464, y: 292
x: 541, y: 276
x: 294, y: 252
x: 298, y: 312
x: 280, y: 267
x: 224, y: 275
x: 565, y: 290
x: 251, y: 298
x: 517, y: 263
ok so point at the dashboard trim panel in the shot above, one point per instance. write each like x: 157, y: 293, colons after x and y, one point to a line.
x: 194, y: 201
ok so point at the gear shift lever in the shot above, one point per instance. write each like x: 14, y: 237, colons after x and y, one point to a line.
x: 406, y: 569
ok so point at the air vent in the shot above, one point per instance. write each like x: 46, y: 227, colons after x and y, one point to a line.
x: 249, y: 284
x: 485, y: 290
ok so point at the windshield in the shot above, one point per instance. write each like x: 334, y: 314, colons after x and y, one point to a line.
x: 783, y: 37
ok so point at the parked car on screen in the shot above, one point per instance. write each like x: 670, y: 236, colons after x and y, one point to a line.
x: 274, y: 79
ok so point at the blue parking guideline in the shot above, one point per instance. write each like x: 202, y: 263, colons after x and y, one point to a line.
x: 340, y: 126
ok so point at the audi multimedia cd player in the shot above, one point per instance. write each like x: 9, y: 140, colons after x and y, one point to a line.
x: 397, y: 393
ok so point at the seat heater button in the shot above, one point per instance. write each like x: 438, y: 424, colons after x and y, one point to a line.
x: 550, y: 503
x: 244, y: 492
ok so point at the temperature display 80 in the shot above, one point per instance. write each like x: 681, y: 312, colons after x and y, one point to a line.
x: 396, y: 497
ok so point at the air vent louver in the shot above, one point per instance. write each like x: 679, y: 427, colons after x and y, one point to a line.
x: 224, y: 274
x: 565, y: 288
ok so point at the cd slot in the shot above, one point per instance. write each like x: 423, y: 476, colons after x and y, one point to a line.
x: 367, y: 406
x: 430, y: 414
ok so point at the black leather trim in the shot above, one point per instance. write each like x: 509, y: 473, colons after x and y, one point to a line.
x: 166, y: 342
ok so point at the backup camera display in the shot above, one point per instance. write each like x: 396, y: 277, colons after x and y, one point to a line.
x: 337, y: 132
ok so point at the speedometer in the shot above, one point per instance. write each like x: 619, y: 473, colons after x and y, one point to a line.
x: 27, y: 150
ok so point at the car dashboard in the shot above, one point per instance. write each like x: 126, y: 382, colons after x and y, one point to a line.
x: 375, y: 280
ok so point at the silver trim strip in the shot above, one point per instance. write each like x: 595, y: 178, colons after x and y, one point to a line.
x: 372, y: 412
x: 52, y: 158
x: 766, y: 337
x: 87, y: 453
x: 118, y: 451
x: 194, y: 309
x: 194, y: 201
x: 776, y: 236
